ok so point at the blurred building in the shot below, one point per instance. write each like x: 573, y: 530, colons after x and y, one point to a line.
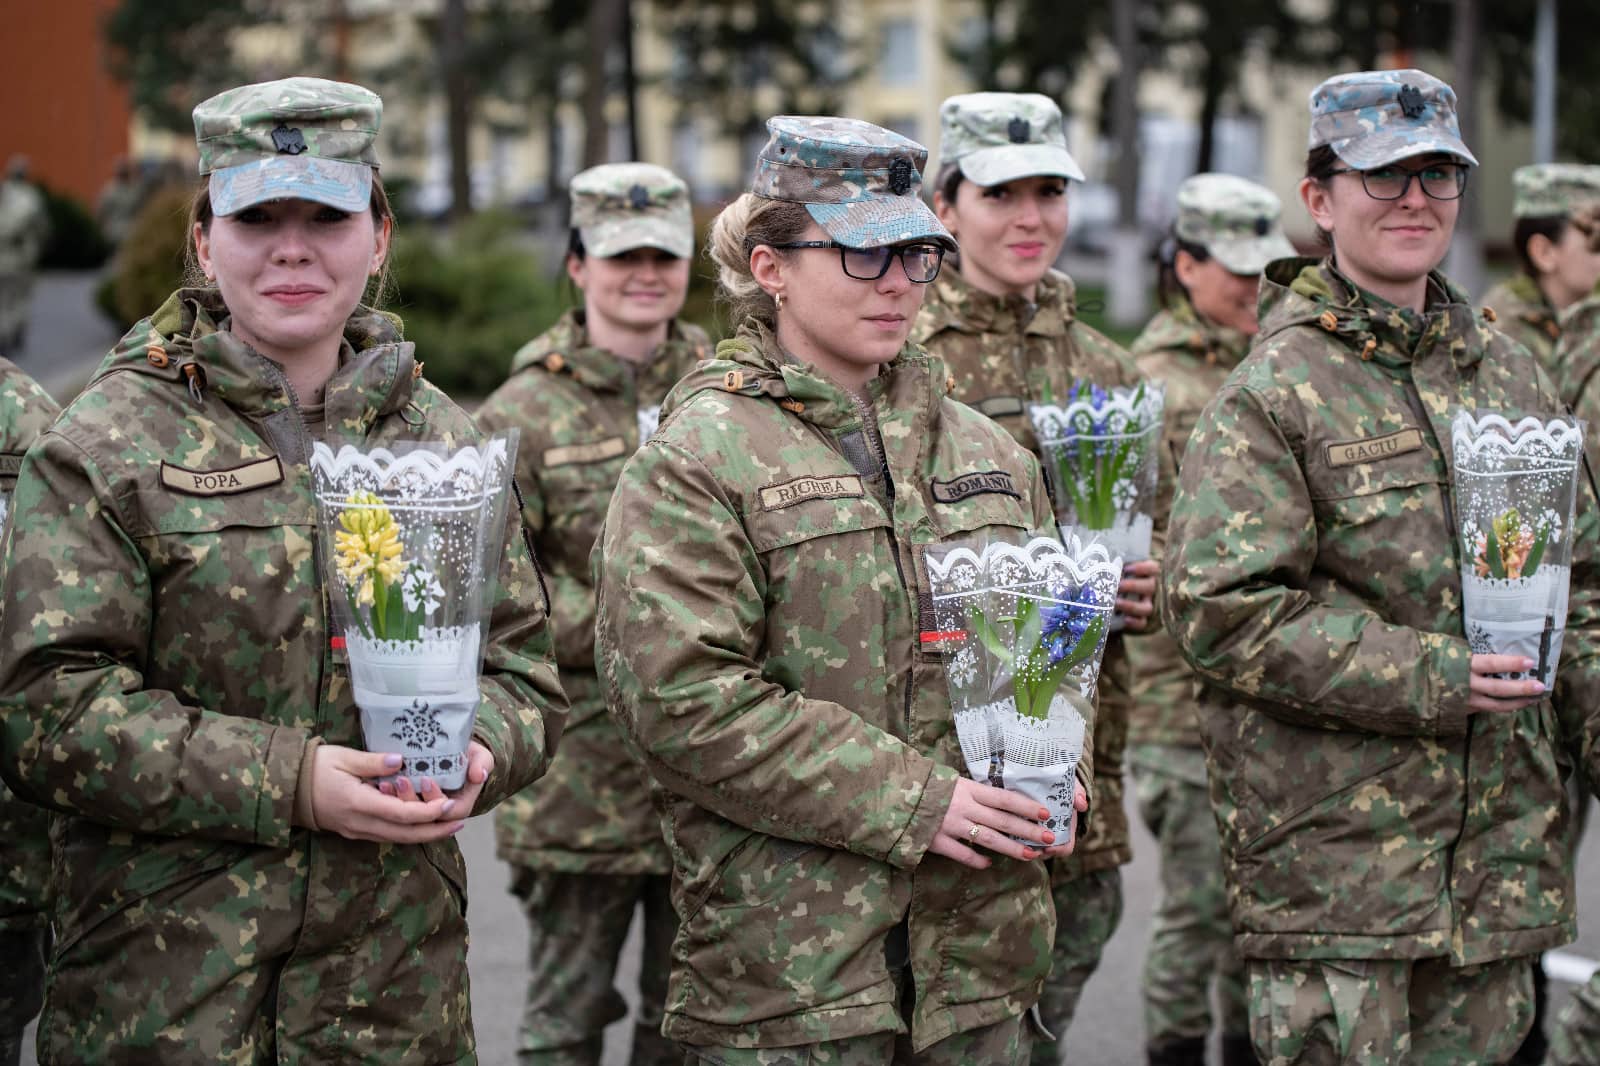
x: 903, y: 51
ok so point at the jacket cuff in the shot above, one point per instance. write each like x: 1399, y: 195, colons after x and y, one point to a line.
x: 937, y: 792
x: 275, y: 801
x: 305, y: 815
x: 1449, y: 665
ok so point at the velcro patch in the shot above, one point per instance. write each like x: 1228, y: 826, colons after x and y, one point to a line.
x: 1374, y: 449
x: 996, y: 406
x: 598, y: 452
x: 976, y: 483
x: 10, y: 465
x: 836, y: 487
x: 254, y: 475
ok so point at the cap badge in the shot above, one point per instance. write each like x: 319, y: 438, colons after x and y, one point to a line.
x: 288, y: 140
x: 900, y: 176
x: 1019, y: 131
x: 1411, y: 103
x: 639, y: 197
x: 1263, y: 225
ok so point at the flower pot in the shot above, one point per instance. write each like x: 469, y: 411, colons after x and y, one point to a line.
x: 418, y: 699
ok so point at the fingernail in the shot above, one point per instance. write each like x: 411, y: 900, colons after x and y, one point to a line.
x: 1528, y: 664
x: 449, y: 805
x: 1042, y: 815
x: 1538, y: 686
x: 1048, y: 837
x: 392, y: 762
x: 459, y: 827
x: 1029, y: 853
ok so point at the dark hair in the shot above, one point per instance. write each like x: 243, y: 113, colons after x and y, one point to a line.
x: 1321, y: 164
x: 1550, y: 227
x: 200, y: 214
x: 575, y: 244
x: 948, y: 182
x: 1168, y: 288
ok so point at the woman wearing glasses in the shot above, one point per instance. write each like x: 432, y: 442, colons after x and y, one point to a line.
x: 1006, y: 324
x: 1391, y: 805
x: 845, y: 894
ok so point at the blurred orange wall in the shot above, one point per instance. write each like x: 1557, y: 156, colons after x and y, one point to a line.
x: 59, y: 104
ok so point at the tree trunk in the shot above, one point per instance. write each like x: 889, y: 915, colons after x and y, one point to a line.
x: 458, y: 104
x: 1213, y: 83
x: 630, y: 79
x: 1465, y: 262
x: 1127, y: 287
x: 602, y: 26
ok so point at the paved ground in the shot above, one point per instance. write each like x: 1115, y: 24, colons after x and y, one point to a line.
x: 69, y: 338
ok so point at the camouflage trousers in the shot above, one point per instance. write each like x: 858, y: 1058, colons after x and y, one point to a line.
x: 1088, y: 909
x: 1002, y: 1044
x: 21, y: 986
x: 1576, y: 1041
x: 577, y: 923
x: 1191, y: 939
x: 1371, y: 1012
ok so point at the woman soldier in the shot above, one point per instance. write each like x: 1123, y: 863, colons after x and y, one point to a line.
x: 1557, y: 267
x: 25, y: 412
x: 1006, y: 325
x: 230, y: 885
x: 584, y: 844
x: 1392, y: 809
x: 1225, y: 234
x: 762, y: 604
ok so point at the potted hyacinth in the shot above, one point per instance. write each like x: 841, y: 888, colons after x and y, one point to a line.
x: 1515, y: 485
x: 411, y: 542
x: 1101, y: 450
x: 1022, y: 627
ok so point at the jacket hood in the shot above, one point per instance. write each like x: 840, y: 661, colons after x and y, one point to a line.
x: 1300, y: 291
x: 187, y: 342
x: 565, y: 348
x: 752, y: 363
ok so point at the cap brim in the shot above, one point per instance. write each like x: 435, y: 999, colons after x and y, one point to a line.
x: 1250, y: 256
x: 881, y: 220
x: 347, y: 186
x: 1008, y: 162
x: 1380, y: 149
x: 617, y: 240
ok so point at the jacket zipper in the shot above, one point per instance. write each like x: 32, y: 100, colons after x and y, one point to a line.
x: 875, y: 445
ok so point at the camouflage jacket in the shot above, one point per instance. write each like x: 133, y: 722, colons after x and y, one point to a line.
x: 25, y: 412
x: 1313, y: 580
x: 1576, y: 358
x: 1193, y: 357
x: 762, y: 595
x: 167, y: 659
x: 579, y: 409
x: 1522, y: 313
x: 1003, y: 357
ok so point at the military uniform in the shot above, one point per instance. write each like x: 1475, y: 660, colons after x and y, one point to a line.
x: 1235, y: 222
x: 1005, y: 354
x: 1577, y: 1037
x: 584, y: 842
x: 25, y: 412
x: 1522, y: 311
x: 168, y: 670
x: 762, y: 592
x: 24, y: 228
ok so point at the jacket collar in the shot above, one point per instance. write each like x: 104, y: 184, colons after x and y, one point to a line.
x: 564, y: 348
x: 956, y: 304
x: 1181, y: 328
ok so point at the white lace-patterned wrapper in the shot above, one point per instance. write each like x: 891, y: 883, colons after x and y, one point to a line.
x: 1531, y: 465
x: 1038, y: 759
x: 418, y: 699
x: 417, y: 479
x: 649, y: 422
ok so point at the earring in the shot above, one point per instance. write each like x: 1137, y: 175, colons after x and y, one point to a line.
x: 777, y: 298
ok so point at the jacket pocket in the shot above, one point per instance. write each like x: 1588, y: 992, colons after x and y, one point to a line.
x: 446, y: 859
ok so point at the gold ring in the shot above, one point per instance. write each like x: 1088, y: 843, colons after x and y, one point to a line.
x: 972, y: 834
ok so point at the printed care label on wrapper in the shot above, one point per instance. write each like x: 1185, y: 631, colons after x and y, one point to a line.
x: 1516, y: 488
x: 1022, y: 627
x: 411, y: 541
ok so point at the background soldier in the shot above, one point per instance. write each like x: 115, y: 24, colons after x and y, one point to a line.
x: 24, y: 228
x: 1226, y: 232
x: 585, y: 843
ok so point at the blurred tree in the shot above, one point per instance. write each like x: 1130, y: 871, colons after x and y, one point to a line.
x: 1508, y: 33
x: 724, y: 50
x: 1019, y: 46
x: 174, y: 53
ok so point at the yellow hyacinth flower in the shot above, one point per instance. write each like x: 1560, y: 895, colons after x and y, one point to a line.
x: 368, y: 546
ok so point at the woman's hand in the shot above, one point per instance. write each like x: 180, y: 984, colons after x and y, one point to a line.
x: 990, y: 817
x: 480, y: 764
x: 1136, y: 595
x: 344, y: 801
x: 1496, y: 694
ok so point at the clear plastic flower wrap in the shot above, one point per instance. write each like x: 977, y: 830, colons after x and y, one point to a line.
x: 1101, y: 454
x: 411, y: 538
x: 1022, y: 626
x: 1515, y: 490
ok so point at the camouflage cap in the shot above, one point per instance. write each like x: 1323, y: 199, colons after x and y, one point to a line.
x: 858, y: 181
x: 294, y: 139
x: 1234, y: 220
x: 999, y: 137
x: 617, y: 207
x: 1554, y: 190
x: 1372, y: 118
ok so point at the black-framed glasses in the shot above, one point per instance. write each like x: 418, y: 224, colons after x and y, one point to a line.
x: 921, y: 262
x: 1439, y: 181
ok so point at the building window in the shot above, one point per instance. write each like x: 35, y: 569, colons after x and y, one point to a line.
x: 899, y: 62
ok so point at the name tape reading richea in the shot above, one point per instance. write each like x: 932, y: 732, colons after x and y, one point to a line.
x: 222, y: 482
x: 811, y: 488
x: 1374, y: 449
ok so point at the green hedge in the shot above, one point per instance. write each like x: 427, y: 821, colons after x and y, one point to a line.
x: 75, y: 241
